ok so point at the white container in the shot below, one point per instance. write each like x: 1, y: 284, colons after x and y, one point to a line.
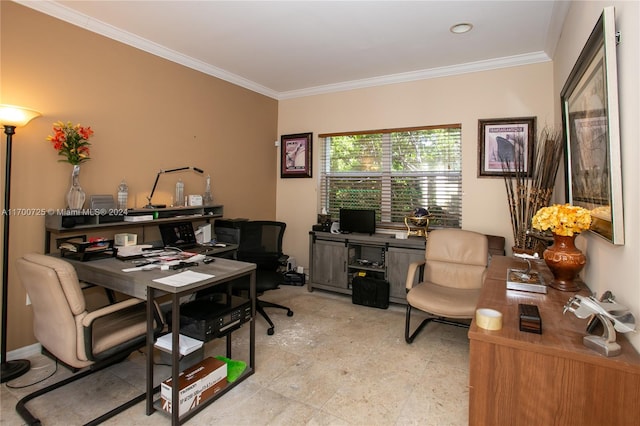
x: 179, y: 193
x: 123, y: 195
x: 125, y: 239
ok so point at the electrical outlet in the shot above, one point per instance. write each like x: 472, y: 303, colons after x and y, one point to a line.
x: 28, y: 300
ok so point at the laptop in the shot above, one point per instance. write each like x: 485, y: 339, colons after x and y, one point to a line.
x: 180, y: 235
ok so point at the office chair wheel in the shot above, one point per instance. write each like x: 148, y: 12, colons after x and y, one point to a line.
x: 289, y: 313
x: 270, y: 331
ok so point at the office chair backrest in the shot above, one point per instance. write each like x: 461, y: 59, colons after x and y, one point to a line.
x: 261, y: 243
x: 58, y: 305
x: 456, y: 258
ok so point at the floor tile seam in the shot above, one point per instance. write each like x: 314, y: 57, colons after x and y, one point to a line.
x: 298, y: 400
x: 323, y: 409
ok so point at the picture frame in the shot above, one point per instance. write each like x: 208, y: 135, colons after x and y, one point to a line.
x: 591, y: 130
x: 505, y: 146
x: 295, y: 155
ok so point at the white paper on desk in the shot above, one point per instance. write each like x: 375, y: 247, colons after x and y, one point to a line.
x: 183, y: 278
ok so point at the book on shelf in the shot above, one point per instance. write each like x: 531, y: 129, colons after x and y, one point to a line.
x: 519, y: 279
x: 140, y: 218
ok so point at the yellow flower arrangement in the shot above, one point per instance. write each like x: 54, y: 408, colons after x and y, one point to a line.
x: 563, y: 220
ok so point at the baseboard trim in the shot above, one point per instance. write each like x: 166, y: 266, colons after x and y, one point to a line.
x: 24, y: 352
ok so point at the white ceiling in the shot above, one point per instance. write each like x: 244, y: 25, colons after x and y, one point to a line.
x: 285, y: 49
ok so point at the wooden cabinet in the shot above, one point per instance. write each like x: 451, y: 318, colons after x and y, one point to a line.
x: 335, y: 258
x: 398, y: 261
x: 519, y: 378
x: 329, y: 265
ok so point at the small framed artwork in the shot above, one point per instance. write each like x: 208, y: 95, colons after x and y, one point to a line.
x: 295, y: 159
x: 505, y: 145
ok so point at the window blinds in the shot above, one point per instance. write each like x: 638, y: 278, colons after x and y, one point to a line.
x: 394, y: 171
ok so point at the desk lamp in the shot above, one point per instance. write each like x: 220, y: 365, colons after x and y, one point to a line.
x: 10, y: 118
x: 159, y: 206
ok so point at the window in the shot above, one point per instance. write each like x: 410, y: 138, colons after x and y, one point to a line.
x: 394, y: 171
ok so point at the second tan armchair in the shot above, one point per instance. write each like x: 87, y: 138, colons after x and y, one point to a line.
x: 450, y: 278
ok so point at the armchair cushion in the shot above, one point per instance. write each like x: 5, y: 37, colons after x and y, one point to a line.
x: 444, y: 301
x: 456, y: 258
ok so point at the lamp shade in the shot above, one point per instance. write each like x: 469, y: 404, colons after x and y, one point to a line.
x: 16, y: 116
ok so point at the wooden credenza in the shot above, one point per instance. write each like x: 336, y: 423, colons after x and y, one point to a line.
x: 519, y: 378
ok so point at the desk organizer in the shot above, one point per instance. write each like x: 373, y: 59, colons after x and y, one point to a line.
x: 88, y: 250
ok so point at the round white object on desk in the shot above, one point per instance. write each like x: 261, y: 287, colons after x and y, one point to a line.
x: 489, y: 319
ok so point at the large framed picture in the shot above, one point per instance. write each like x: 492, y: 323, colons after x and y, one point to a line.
x: 295, y: 158
x: 589, y: 101
x: 505, y: 146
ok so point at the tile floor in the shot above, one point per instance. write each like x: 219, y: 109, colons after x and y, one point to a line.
x: 332, y: 363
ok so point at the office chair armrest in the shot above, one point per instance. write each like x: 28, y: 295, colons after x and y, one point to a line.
x: 415, y: 267
x: 109, y: 309
x: 89, y: 320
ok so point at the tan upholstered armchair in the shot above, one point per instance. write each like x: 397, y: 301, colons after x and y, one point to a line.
x: 450, y: 278
x: 70, y: 333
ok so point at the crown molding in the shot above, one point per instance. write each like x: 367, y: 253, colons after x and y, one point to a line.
x: 56, y: 10
x: 81, y: 20
x: 471, y: 67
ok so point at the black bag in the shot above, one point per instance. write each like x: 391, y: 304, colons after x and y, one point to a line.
x: 370, y: 292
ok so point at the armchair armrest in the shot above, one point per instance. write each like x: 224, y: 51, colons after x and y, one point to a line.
x: 411, y: 273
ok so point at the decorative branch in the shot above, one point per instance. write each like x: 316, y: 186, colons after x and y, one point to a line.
x: 526, y: 196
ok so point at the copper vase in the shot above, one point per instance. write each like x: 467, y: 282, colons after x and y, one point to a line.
x: 565, y: 262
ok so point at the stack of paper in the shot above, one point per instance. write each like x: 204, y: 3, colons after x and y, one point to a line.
x: 187, y: 344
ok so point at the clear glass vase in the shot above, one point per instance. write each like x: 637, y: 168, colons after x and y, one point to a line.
x: 75, y: 196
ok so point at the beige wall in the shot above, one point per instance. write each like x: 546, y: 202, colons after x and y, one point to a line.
x: 609, y: 267
x: 147, y: 114
x: 511, y: 92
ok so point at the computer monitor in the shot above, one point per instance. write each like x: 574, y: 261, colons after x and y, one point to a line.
x: 358, y: 220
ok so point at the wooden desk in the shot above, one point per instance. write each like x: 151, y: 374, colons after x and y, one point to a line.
x: 108, y: 273
x: 519, y: 378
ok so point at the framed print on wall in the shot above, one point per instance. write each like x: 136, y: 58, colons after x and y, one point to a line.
x: 295, y: 158
x: 505, y: 145
x: 590, y: 119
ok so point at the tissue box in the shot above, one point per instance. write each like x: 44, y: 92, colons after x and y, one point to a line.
x: 197, y: 384
x: 125, y: 239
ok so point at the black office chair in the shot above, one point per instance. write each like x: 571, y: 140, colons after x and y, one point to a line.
x: 261, y: 243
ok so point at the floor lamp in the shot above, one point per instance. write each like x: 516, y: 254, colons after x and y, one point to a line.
x: 10, y: 118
